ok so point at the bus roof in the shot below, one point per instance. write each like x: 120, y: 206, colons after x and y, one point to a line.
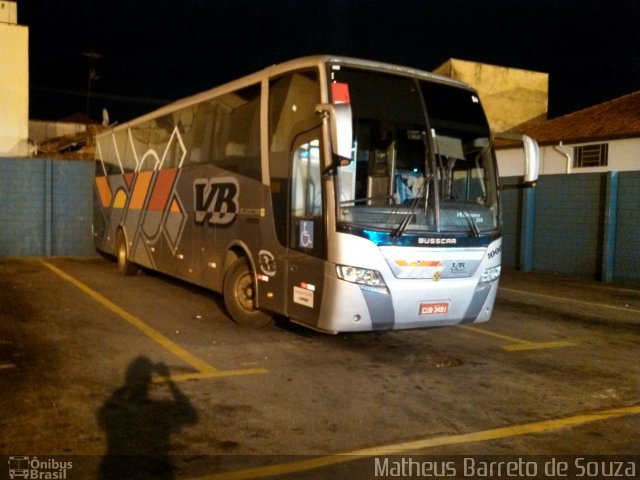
x: 277, y: 69
x: 358, y: 62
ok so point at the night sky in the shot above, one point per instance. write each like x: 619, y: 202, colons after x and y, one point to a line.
x: 155, y: 51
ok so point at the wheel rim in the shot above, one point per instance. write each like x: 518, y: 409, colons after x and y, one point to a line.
x: 245, y: 292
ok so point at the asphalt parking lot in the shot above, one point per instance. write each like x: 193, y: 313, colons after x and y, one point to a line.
x: 94, y: 365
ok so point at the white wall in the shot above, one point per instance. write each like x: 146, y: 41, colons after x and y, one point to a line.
x: 43, y: 130
x: 14, y: 88
x: 624, y: 155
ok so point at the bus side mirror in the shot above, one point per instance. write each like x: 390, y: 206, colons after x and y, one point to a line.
x: 341, y: 127
x: 531, y: 156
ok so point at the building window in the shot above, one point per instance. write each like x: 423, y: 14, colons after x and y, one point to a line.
x: 591, y: 155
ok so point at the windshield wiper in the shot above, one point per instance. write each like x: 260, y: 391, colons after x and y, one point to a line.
x: 407, y: 218
x: 421, y: 195
x: 472, y: 223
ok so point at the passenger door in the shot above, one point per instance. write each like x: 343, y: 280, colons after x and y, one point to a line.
x: 307, y: 231
x: 294, y: 286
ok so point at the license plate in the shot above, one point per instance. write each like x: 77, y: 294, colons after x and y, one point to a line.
x: 434, y: 308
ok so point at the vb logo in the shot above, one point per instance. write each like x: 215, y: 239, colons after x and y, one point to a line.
x: 215, y: 199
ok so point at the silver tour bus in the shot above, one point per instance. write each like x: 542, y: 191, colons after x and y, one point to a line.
x: 343, y: 194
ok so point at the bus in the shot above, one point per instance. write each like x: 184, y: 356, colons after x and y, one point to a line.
x: 343, y: 194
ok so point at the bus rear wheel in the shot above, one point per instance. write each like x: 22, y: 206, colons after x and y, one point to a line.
x: 240, y: 296
x: 125, y: 267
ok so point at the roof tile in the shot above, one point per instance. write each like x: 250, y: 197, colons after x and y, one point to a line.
x: 617, y: 118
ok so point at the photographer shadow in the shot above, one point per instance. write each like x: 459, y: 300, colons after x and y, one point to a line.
x: 139, y: 428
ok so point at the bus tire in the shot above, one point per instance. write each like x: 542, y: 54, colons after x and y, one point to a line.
x: 125, y: 267
x: 239, y: 297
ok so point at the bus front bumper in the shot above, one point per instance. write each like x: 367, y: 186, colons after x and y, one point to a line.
x: 349, y: 307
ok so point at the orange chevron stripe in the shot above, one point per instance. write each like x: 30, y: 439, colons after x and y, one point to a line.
x: 140, y: 190
x: 128, y: 178
x: 175, y: 207
x: 162, y: 190
x: 104, y: 191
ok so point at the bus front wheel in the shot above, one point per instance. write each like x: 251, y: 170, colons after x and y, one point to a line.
x: 125, y: 267
x: 240, y: 296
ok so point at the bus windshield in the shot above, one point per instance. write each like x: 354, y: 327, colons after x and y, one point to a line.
x: 422, y: 158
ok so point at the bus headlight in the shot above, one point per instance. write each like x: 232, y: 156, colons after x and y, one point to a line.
x: 367, y: 279
x: 490, y: 274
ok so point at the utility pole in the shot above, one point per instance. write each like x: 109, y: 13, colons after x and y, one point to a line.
x: 93, y: 57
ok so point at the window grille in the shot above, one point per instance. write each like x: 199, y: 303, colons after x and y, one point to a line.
x: 591, y: 155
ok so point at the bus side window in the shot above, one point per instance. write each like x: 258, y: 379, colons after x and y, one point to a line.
x: 121, y: 146
x: 306, y: 206
x: 105, y: 152
x: 236, y: 129
x: 149, y: 141
x: 199, y: 134
x: 306, y: 196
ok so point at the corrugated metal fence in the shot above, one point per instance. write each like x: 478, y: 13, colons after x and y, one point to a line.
x: 578, y: 224
x: 46, y: 207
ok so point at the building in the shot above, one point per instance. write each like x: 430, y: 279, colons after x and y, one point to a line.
x: 602, y: 138
x: 511, y: 97
x: 14, y: 83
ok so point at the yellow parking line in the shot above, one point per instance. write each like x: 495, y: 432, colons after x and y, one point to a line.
x: 491, y: 334
x: 518, y: 344
x: 422, y: 444
x: 182, y: 377
x: 572, y: 300
x: 204, y: 369
x: 518, y: 347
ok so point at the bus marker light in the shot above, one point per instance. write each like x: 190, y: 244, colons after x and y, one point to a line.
x: 308, y: 286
